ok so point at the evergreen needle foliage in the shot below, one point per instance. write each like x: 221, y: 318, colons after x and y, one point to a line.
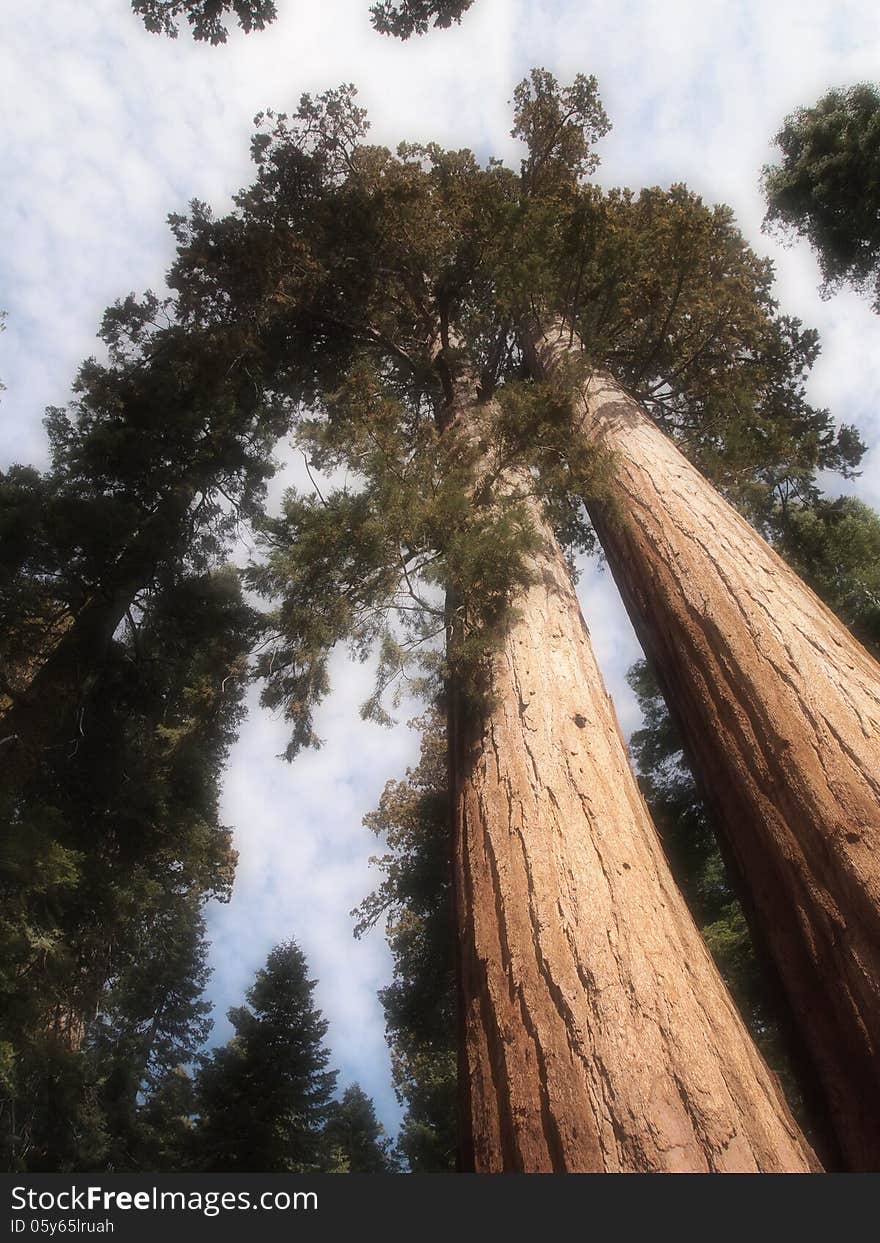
x: 264, y: 1097
x: 827, y: 186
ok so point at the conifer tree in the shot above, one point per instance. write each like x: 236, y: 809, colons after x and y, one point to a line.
x: 165, y: 1128
x: 835, y: 545
x: 263, y: 1098
x: 163, y: 451
x: 722, y: 620
x: 354, y: 1138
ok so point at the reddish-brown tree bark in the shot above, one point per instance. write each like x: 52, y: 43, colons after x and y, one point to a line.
x: 779, y: 709
x: 596, y: 1032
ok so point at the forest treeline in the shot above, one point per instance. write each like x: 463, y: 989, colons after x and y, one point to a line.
x: 517, y: 367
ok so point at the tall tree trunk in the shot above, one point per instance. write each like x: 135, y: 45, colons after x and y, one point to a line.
x: 598, y: 1034
x: 779, y: 709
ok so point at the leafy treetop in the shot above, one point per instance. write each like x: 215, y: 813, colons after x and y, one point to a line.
x: 207, y: 18
x: 384, y: 291
x: 827, y: 186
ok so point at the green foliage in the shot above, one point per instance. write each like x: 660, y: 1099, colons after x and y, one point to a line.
x: 153, y: 1020
x: 169, y: 414
x: 414, y: 899
x: 106, y: 855
x: 827, y: 186
x: 123, y: 659
x: 534, y: 424
x: 370, y: 565
x: 835, y: 546
x: 413, y: 17
x: 263, y: 1098
x: 667, y: 296
x: 354, y: 1138
x: 163, y: 452
x: 559, y: 126
x: 165, y: 1131
x: 205, y: 17
x: 50, y: 1114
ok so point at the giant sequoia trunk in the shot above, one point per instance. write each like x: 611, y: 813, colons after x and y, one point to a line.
x: 779, y: 708
x: 597, y: 1034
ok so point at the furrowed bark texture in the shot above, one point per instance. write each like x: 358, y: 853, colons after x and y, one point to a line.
x: 779, y: 709
x: 598, y: 1034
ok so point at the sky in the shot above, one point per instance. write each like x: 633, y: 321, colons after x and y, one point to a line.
x: 106, y: 129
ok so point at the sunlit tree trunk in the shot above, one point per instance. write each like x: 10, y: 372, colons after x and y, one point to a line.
x: 779, y: 708
x: 597, y: 1033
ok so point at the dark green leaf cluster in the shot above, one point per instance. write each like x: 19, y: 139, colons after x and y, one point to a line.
x: 205, y: 17
x: 354, y: 1139
x: 413, y: 17
x: 835, y: 546
x: 535, y: 424
x: 827, y: 186
x: 667, y: 296
x: 560, y: 127
x: 107, y: 854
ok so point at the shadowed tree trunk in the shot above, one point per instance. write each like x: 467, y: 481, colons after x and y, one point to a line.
x: 779, y: 709
x: 598, y: 1035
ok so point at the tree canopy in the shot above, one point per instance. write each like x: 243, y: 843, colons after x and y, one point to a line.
x: 377, y: 279
x: 826, y: 188
x: 207, y: 18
